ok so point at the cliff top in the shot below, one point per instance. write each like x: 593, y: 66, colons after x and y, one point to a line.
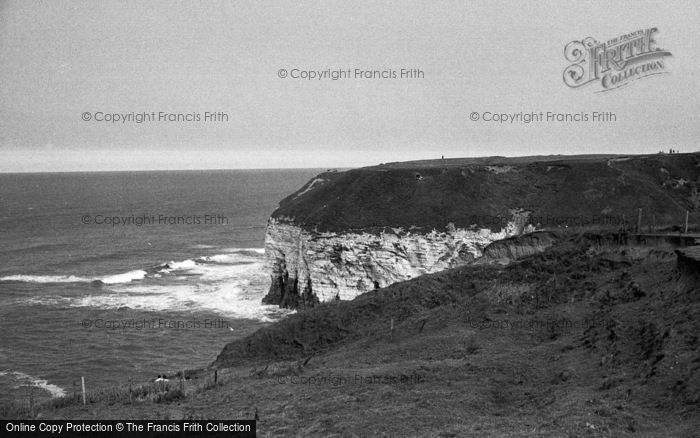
x: 558, y: 191
x: 496, y: 160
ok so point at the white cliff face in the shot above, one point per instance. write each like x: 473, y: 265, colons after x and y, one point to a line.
x: 332, y: 266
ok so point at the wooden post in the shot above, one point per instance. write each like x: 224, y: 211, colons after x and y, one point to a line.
x: 653, y: 223
x: 82, y: 381
x: 31, y: 401
x: 392, y: 328
x: 216, y: 377
x: 639, y: 220
x: 131, y: 401
x: 686, y: 221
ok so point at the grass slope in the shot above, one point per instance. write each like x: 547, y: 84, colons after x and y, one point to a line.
x: 583, y: 339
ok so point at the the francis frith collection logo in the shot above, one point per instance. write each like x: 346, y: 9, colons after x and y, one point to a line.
x: 615, y: 62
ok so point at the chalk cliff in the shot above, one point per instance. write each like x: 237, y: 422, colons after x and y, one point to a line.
x: 346, y: 233
x: 307, y: 266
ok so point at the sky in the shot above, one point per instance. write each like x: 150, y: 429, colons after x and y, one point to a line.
x: 66, y: 66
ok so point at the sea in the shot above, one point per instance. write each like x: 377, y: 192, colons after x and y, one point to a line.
x: 118, y: 276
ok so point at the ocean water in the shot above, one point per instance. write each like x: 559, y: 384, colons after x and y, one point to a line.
x: 119, y: 275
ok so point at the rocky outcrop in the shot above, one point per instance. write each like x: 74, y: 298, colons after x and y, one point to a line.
x: 514, y: 248
x: 307, y: 266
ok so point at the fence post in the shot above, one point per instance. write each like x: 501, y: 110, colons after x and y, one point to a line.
x: 31, y: 401
x: 131, y: 401
x: 82, y: 381
x: 639, y: 220
x: 686, y: 221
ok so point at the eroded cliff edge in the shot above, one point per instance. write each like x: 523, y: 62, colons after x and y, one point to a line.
x: 346, y: 233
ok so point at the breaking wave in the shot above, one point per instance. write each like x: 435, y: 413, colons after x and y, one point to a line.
x: 21, y: 379
x: 231, y: 284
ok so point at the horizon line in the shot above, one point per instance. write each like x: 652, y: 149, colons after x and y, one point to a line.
x: 2, y: 172
x: 168, y: 170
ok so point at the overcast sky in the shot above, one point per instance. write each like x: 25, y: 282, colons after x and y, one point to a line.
x: 60, y: 59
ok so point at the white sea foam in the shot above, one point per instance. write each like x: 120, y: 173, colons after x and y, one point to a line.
x: 234, y: 297
x: 223, y: 258
x: 110, y: 279
x: 140, y: 297
x: 260, y: 251
x: 237, y: 302
x: 211, y: 272
x: 54, y: 301
x: 46, y: 278
x: 231, y: 284
x: 232, y: 256
x: 125, y: 277
x: 25, y: 379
